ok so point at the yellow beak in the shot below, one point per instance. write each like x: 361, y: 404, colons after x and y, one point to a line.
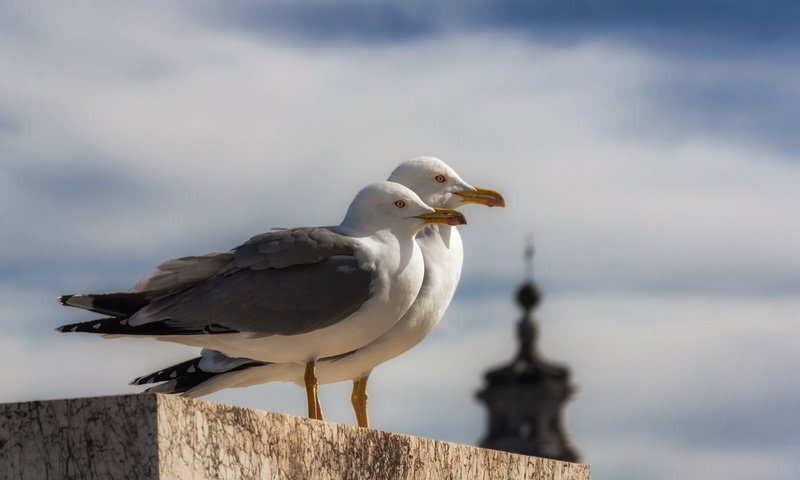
x: 483, y: 196
x: 446, y: 216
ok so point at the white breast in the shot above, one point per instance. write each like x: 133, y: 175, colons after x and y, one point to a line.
x: 444, y: 255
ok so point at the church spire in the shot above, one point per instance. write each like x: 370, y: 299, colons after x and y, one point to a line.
x: 525, y: 398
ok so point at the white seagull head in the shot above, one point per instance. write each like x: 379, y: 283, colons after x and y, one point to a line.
x: 440, y: 186
x: 392, y: 206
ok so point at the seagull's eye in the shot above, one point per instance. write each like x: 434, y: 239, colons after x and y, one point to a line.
x: 440, y: 178
x: 400, y: 204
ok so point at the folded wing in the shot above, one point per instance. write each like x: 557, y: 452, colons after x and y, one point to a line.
x: 284, y: 282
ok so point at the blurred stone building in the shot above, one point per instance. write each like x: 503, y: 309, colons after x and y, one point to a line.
x: 526, y: 397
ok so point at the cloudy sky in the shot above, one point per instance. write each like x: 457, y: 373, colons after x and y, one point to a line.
x: 650, y: 147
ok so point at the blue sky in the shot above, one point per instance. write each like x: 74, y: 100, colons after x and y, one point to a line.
x: 650, y: 147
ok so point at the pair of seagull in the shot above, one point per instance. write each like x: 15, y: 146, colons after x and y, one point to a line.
x: 309, y: 305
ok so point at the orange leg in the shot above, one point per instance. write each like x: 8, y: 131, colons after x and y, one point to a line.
x: 312, y: 391
x: 359, y: 398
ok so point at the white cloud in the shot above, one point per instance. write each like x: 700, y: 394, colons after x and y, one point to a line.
x: 234, y: 131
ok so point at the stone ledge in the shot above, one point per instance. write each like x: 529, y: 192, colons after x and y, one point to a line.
x: 167, y: 437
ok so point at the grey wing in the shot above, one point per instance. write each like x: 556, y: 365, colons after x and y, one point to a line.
x: 295, y: 246
x: 180, y: 273
x: 262, y: 302
x: 277, y: 249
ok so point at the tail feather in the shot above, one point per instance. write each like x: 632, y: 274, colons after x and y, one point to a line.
x: 121, y: 304
x: 170, y: 388
x: 182, y: 385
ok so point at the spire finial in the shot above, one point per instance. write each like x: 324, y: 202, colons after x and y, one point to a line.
x: 528, y: 295
x: 529, y: 258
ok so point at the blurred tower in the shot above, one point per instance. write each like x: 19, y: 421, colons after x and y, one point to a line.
x: 526, y: 397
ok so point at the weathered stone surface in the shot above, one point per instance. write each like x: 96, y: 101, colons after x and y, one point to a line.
x: 102, y: 438
x: 155, y: 436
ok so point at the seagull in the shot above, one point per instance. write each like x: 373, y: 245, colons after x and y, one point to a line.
x: 439, y: 186
x: 289, y: 295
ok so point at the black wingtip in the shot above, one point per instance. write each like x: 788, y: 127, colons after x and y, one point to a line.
x: 109, y: 325
x: 143, y: 380
x: 179, y: 379
x: 187, y: 368
x: 119, y: 304
x: 72, y: 327
x: 120, y: 326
